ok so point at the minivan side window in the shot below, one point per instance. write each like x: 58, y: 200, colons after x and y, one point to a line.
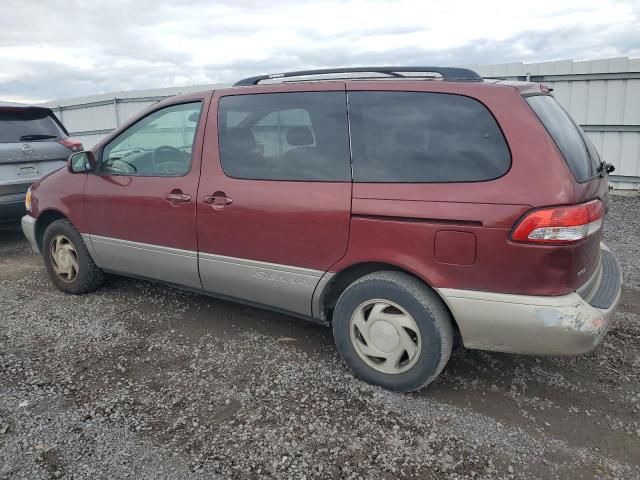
x: 576, y: 148
x: 160, y: 144
x: 285, y: 136
x: 415, y: 137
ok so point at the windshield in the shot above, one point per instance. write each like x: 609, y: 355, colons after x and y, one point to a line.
x: 28, y: 125
x: 576, y: 147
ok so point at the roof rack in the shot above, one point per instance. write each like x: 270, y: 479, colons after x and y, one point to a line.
x: 452, y: 74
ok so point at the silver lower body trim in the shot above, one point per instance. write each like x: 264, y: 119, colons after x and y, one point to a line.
x: 282, y: 287
x: 29, y: 230
x: 279, y: 286
x: 156, y: 262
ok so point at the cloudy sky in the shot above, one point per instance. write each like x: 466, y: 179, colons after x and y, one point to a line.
x: 62, y: 49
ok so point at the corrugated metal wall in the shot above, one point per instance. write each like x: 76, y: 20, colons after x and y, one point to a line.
x: 91, y: 123
x: 89, y: 119
x: 602, y: 95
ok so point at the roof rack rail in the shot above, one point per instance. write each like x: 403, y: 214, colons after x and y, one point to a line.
x: 452, y: 74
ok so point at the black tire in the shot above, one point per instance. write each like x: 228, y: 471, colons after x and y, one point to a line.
x: 89, y: 277
x: 428, y: 311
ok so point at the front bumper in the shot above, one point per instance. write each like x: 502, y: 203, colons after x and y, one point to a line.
x: 29, y: 230
x: 565, y: 325
x: 12, y: 206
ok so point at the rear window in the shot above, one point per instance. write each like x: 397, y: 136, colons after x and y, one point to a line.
x: 424, y: 137
x: 28, y: 125
x: 577, y: 149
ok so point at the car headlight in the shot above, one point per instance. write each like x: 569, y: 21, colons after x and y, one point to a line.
x: 27, y: 200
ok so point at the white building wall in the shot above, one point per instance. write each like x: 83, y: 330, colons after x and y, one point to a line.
x: 602, y: 95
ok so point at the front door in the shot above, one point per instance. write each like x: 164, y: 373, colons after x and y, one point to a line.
x: 141, y: 202
x: 275, y: 194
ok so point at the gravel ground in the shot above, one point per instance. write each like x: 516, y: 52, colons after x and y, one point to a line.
x: 143, y: 381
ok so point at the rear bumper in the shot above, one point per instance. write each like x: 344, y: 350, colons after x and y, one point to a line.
x: 29, y: 230
x: 12, y: 206
x: 564, y: 325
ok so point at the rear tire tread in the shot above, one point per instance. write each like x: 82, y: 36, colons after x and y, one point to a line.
x: 430, y: 301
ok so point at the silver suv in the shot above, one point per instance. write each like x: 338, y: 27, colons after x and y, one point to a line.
x: 33, y: 143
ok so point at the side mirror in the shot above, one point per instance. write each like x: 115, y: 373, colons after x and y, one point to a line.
x: 81, y: 162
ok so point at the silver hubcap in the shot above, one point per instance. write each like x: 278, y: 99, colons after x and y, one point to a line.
x: 64, y: 258
x: 385, y: 336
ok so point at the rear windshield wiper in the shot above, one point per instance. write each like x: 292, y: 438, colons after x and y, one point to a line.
x: 36, y: 136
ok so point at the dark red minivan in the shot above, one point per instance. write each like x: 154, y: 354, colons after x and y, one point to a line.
x: 403, y: 206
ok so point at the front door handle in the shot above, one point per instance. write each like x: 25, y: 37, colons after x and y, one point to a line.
x: 218, y: 200
x: 176, y: 196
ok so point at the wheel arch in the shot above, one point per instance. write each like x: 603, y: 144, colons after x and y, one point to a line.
x: 329, y: 295
x: 45, y: 219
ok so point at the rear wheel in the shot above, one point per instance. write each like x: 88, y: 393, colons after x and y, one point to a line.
x: 393, y: 330
x: 67, y: 260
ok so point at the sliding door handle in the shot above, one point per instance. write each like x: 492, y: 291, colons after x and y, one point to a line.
x: 218, y: 199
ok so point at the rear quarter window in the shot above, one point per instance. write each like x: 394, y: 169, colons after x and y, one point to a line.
x: 576, y: 148
x: 414, y: 137
x: 28, y: 125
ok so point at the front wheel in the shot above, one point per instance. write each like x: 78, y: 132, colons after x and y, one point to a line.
x: 67, y: 260
x: 393, y: 330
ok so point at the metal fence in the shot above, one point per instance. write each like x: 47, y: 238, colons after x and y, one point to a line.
x: 603, y: 96
x: 89, y: 119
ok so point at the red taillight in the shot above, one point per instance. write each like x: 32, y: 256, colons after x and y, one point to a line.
x: 559, y: 225
x: 72, y: 144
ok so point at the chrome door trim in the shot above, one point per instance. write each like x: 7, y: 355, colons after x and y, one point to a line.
x: 283, y: 287
x: 156, y: 262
